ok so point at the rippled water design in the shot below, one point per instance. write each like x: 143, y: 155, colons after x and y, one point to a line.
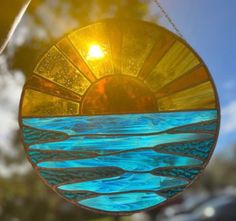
x: 121, y: 163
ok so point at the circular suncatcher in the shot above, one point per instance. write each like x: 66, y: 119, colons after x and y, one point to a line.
x: 119, y: 116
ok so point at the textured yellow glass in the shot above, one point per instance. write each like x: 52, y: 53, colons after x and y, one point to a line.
x: 66, y: 47
x: 199, y: 97
x: 86, y: 38
x: 43, y: 85
x: 193, y: 78
x: 39, y: 104
x: 115, y: 35
x: 141, y: 46
x: 177, y: 61
x: 55, y: 67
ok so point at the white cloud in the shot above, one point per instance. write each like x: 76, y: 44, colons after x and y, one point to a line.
x: 11, y: 83
x: 229, y: 118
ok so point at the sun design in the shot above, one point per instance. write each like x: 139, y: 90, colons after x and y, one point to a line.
x: 119, y: 116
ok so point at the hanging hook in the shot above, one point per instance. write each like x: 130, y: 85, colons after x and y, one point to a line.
x: 169, y: 18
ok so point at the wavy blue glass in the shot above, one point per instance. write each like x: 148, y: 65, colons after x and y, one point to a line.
x: 121, y: 163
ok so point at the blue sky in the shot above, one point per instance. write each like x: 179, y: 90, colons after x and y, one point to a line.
x: 210, y: 27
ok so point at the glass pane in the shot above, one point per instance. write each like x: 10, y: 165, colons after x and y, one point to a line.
x: 43, y: 85
x: 55, y: 67
x: 175, y: 63
x: 40, y: 104
x: 66, y: 47
x: 193, y: 78
x: 135, y: 50
x: 93, y: 44
x: 199, y: 97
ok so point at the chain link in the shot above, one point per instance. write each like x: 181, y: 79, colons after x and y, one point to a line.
x: 169, y: 18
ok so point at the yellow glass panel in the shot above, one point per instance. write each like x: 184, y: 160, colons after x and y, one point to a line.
x: 163, y: 44
x: 40, y: 84
x: 138, y: 42
x: 55, y: 67
x: 177, y: 61
x: 36, y: 104
x: 199, y: 97
x: 93, y: 45
x: 72, y: 54
x: 194, y: 77
x: 115, y: 36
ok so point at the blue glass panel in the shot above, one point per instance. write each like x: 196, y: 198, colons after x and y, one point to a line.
x: 113, y: 154
x: 121, y: 124
x: 123, y: 202
x: 208, y: 126
x: 56, y: 177
x: 76, y: 196
x: 199, y: 149
x: 105, y: 145
x: 32, y: 135
x: 144, y: 160
x: 126, y: 182
x: 171, y: 192
x: 39, y: 156
x: 185, y: 173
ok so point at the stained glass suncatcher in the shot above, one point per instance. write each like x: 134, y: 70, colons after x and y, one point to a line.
x: 119, y: 116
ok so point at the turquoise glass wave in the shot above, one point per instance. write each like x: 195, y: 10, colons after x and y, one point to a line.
x: 124, y: 183
x: 128, y: 202
x: 136, y: 161
x: 120, y: 124
x: 107, y: 144
x: 121, y: 163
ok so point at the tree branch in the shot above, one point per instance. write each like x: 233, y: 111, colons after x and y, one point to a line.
x: 14, y: 25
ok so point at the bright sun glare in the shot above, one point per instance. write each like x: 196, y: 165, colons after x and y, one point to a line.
x: 96, y: 52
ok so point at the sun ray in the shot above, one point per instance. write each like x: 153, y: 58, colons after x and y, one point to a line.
x: 163, y: 44
x: 43, y: 85
x: 84, y: 39
x: 131, y: 64
x: 40, y: 104
x: 192, y: 78
x: 177, y: 61
x: 115, y: 34
x: 199, y: 97
x: 66, y: 47
x: 55, y: 67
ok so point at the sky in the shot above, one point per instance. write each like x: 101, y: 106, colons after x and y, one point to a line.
x: 209, y: 26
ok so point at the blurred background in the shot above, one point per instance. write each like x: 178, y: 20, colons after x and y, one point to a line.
x: 208, y: 25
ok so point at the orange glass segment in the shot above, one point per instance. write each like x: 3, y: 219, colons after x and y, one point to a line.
x: 93, y: 45
x: 66, y: 47
x: 176, y: 62
x: 55, y: 67
x: 199, y: 97
x: 118, y: 94
x: 45, y: 86
x: 37, y: 104
x: 192, y: 78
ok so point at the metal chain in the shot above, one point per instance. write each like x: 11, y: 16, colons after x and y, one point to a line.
x: 169, y: 18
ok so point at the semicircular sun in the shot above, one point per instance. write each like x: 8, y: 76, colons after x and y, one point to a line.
x: 119, y: 116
